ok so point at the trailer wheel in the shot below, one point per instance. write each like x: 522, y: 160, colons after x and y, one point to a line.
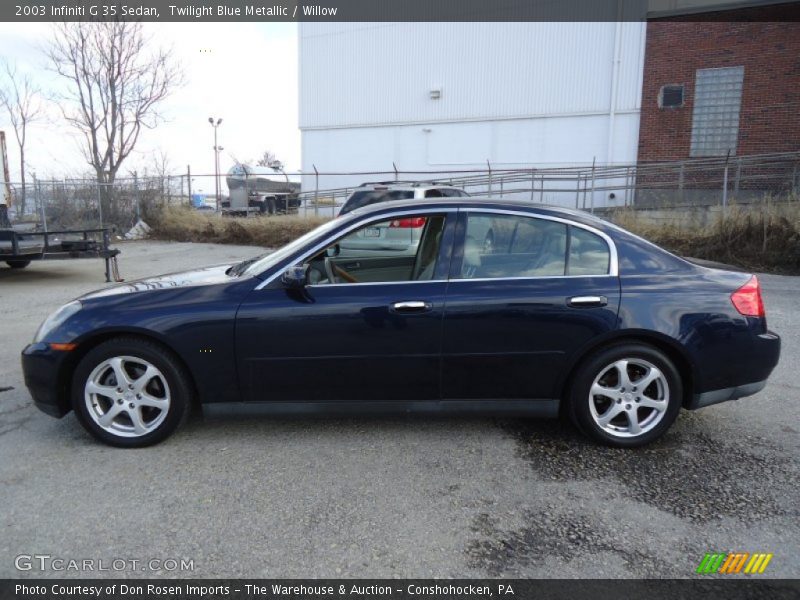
x: 18, y: 264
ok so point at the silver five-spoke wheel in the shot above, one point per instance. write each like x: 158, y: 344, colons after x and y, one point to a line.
x: 629, y: 397
x: 127, y: 396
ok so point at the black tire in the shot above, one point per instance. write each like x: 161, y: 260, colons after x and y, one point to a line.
x: 180, y: 389
x: 18, y: 264
x: 580, y: 411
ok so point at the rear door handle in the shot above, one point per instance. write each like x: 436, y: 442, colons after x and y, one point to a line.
x: 411, y: 306
x: 587, y: 301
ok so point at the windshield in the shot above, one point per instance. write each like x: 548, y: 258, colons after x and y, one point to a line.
x: 261, y: 263
x: 359, y: 199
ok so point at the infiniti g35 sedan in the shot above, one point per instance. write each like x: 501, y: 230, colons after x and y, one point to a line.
x: 563, y: 314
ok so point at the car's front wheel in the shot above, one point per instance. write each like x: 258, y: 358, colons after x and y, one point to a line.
x: 130, y: 392
x: 626, y: 395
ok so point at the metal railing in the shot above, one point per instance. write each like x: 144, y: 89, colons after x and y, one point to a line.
x: 716, y: 181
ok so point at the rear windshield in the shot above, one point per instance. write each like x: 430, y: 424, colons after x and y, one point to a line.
x: 359, y: 199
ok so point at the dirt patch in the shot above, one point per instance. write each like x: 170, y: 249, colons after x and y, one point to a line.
x: 687, y: 473
x: 565, y: 537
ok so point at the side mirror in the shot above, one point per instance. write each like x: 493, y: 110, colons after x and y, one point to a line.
x: 333, y: 251
x: 295, y: 277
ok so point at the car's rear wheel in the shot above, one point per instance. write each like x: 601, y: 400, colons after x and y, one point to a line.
x: 626, y: 395
x: 130, y: 392
x: 18, y: 264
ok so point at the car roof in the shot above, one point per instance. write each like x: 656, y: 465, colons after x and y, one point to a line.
x: 477, y: 202
x: 403, y: 185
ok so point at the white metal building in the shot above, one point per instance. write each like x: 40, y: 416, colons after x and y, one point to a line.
x: 450, y: 96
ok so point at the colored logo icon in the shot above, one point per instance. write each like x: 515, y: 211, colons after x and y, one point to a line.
x: 734, y: 563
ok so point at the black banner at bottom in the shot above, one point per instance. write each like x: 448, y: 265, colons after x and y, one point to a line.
x: 397, y: 589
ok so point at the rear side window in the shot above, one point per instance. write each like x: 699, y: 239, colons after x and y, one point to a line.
x: 506, y: 246
x: 367, y: 197
x: 588, y: 253
x: 503, y: 246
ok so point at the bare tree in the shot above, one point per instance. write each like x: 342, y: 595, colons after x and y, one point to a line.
x: 21, y: 98
x: 266, y: 158
x: 116, y: 81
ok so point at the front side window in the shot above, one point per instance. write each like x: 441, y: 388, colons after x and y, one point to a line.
x: 401, y: 249
x: 506, y: 246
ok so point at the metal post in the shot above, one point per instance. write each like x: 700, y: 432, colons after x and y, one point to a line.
x: 533, y: 181
x: 681, y: 183
x: 394, y: 166
x: 189, y: 180
x: 627, y: 177
x: 38, y: 185
x: 316, y: 190
x: 725, y: 185
x: 99, y: 204
x: 738, y: 178
x: 541, y: 192
x: 489, y: 165
x: 591, y: 199
x: 136, y: 193
x: 577, y: 191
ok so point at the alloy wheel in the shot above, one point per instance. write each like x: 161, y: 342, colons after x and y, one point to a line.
x: 127, y: 396
x: 629, y: 397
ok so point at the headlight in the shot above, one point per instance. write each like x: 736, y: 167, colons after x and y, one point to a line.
x: 56, y: 319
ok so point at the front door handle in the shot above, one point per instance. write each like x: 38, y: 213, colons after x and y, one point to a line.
x: 587, y: 301
x: 411, y: 306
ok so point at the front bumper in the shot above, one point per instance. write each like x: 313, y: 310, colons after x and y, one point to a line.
x: 41, y: 367
x: 765, y: 355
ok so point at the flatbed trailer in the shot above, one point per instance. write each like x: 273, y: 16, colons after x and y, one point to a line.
x: 18, y: 249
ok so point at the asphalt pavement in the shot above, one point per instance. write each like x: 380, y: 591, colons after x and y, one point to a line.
x: 389, y: 496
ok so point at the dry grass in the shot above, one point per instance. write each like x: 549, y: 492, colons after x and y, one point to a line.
x: 182, y: 224
x: 761, y: 240
x: 766, y: 238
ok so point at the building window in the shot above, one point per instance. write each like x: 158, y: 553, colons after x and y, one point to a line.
x: 670, y: 96
x: 717, y: 103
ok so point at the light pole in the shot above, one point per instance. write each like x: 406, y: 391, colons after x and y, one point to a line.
x: 216, y: 157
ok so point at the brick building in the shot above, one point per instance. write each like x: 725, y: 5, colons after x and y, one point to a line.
x: 721, y: 81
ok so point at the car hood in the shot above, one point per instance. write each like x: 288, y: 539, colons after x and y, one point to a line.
x: 195, y: 277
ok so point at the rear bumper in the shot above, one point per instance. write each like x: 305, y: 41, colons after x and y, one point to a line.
x: 732, y: 393
x: 41, y: 366
x: 766, y: 352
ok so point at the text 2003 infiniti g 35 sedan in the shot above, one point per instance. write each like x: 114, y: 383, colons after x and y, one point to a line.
x: 565, y: 313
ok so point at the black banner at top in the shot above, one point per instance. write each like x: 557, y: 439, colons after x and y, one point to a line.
x: 395, y: 10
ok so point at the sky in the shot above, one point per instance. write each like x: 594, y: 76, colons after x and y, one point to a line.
x: 244, y: 73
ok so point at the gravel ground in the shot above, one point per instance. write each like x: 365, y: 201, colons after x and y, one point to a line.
x: 391, y: 497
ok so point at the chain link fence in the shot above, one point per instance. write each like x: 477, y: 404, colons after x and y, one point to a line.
x: 664, y: 186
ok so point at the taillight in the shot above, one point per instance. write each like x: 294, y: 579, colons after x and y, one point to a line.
x: 747, y: 299
x: 412, y: 223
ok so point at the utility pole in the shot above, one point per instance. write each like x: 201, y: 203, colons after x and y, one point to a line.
x: 215, y: 125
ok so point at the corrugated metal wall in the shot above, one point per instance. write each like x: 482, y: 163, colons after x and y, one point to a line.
x: 517, y: 94
x: 382, y: 73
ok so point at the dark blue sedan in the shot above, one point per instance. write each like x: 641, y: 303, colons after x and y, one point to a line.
x: 562, y: 314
